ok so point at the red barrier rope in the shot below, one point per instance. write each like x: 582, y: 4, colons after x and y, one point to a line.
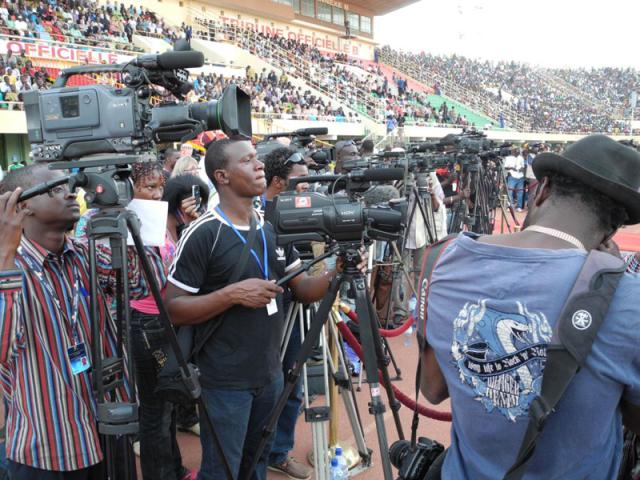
x: 389, y: 333
x: 404, y: 399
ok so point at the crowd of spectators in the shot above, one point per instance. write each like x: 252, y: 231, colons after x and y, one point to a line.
x: 18, y: 75
x: 565, y: 100
x: 273, y: 95
x: 363, y: 88
x: 84, y: 22
x: 511, y: 86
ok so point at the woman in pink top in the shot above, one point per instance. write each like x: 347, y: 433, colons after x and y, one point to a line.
x: 159, y: 453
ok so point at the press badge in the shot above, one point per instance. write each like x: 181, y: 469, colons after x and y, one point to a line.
x: 78, y: 359
x: 272, y: 307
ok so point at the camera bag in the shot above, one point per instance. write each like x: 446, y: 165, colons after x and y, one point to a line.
x: 192, y: 339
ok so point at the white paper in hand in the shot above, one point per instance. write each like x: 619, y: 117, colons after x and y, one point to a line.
x: 153, y: 221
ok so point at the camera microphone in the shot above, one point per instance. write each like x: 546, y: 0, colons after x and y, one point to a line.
x: 170, y: 60
x: 378, y: 175
x: 307, y: 132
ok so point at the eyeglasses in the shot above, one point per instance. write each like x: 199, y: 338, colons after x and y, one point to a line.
x: 295, y: 158
x: 59, y: 191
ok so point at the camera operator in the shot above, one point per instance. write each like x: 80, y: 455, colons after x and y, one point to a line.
x: 279, y: 166
x: 241, y: 373
x: 46, y: 332
x: 583, y: 197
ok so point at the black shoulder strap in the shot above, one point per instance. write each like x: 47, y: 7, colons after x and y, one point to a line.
x: 213, y: 325
x: 429, y: 261
x: 574, y: 333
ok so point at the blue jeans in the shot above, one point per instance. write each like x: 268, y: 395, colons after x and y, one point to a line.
x: 239, y: 417
x: 285, y: 433
x: 516, y: 185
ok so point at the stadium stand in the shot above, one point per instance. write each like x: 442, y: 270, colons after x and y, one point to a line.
x: 308, y: 84
x: 527, y: 97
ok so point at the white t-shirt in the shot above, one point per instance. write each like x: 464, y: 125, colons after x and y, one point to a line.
x: 514, y: 166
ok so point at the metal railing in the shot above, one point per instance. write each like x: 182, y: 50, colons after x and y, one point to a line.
x: 352, y: 96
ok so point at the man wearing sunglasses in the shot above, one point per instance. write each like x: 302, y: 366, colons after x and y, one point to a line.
x: 281, y: 165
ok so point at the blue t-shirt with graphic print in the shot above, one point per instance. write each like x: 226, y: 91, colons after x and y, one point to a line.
x: 491, y: 313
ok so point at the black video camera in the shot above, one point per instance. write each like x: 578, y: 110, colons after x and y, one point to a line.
x: 414, y: 465
x: 314, y: 217
x: 68, y: 123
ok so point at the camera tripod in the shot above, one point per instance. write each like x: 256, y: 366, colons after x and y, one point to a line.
x: 373, y: 356
x: 320, y: 416
x: 112, y: 378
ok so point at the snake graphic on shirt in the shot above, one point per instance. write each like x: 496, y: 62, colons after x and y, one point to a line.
x: 500, y: 355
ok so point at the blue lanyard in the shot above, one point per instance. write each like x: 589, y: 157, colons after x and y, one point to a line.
x: 72, y: 317
x: 265, y: 268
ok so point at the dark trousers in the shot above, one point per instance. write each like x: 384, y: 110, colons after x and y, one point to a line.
x: 160, y: 457
x: 286, y: 431
x: 239, y: 417
x: 18, y: 471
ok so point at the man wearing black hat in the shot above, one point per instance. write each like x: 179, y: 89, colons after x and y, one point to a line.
x: 480, y: 313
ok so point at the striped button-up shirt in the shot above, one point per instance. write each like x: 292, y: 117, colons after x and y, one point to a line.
x: 50, y: 417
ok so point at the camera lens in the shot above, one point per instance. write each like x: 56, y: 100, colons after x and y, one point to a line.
x: 397, y: 451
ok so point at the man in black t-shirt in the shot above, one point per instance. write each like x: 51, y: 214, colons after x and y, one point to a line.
x: 241, y: 374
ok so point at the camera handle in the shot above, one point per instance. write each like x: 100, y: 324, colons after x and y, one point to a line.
x: 370, y: 336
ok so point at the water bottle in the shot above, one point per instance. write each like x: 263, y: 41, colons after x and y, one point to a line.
x: 413, y: 303
x: 334, y: 472
x: 342, y: 463
x: 407, y: 336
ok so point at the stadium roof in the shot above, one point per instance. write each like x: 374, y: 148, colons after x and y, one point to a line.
x: 381, y: 7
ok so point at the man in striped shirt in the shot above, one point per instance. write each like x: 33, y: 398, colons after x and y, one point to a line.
x: 45, y: 333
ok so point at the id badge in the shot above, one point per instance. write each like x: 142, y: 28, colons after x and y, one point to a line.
x: 78, y: 359
x: 272, y: 307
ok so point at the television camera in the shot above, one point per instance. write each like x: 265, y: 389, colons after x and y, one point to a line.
x: 314, y: 217
x: 302, y: 141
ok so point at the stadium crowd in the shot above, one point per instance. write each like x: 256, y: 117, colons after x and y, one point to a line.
x: 84, y: 22
x: 565, y: 100
x: 548, y: 105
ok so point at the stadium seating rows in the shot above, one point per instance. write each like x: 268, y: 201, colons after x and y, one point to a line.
x: 558, y: 100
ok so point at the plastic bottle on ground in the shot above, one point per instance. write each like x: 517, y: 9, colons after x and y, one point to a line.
x: 342, y: 463
x: 335, y: 473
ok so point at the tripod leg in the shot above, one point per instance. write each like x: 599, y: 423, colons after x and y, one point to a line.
x: 392, y: 358
x: 341, y: 372
x: 376, y: 406
x: 318, y: 322
x: 386, y: 380
x: 318, y: 416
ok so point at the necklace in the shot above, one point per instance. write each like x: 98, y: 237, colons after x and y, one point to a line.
x: 552, y: 232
